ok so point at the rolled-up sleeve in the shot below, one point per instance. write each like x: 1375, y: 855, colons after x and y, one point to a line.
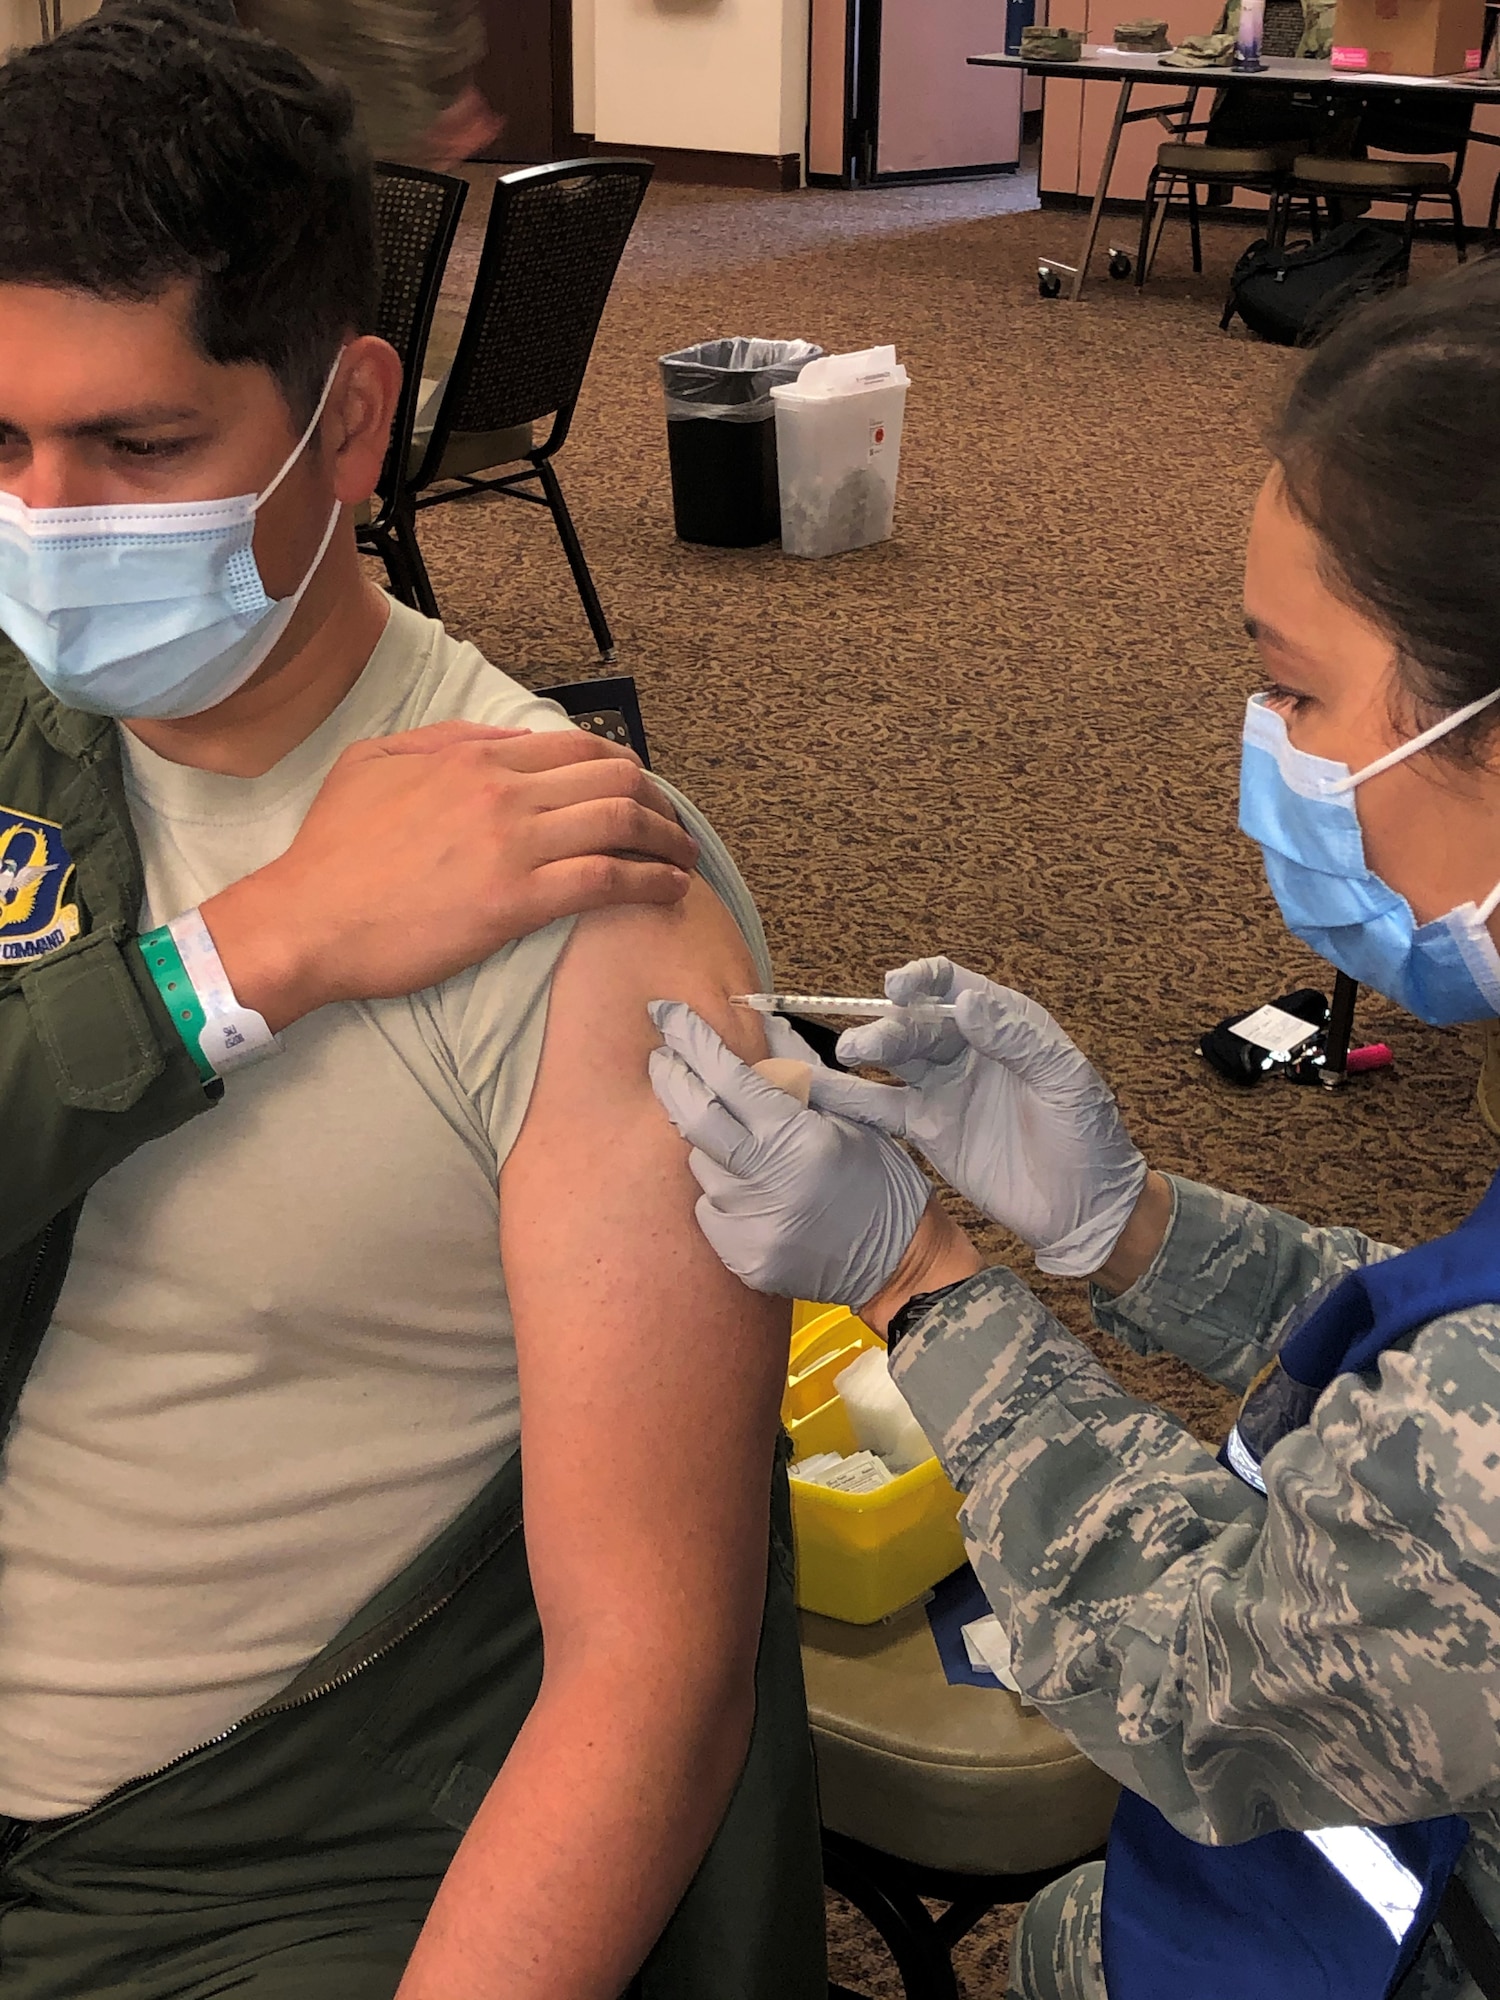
x: 1311, y: 1657
x: 1228, y: 1277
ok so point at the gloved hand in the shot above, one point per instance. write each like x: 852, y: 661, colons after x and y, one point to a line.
x: 795, y: 1202
x: 1004, y: 1105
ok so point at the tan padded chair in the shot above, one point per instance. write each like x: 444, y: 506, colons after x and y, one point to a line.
x: 1410, y: 129
x: 1192, y: 164
x: 956, y: 1794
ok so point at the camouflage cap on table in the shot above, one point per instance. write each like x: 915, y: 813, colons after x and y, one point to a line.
x: 1145, y: 37
x: 1201, y: 52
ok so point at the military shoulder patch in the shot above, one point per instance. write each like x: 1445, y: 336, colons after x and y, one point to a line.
x: 36, y: 880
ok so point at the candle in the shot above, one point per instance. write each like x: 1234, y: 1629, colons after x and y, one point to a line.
x: 1247, y: 42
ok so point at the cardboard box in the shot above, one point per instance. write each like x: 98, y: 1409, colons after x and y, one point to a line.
x: 1408, y: 37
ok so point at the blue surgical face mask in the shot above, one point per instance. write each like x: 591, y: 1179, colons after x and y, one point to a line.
x: 150, y: 610
x: 1300, y: 810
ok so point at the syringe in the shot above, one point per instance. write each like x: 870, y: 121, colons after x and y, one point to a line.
x: 847, y: 1004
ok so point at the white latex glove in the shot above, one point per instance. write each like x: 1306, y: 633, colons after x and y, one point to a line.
x: 1007, y: 1109
x: 795, y: 1202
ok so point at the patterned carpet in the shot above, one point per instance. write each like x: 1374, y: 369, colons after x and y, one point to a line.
x: 1011, y: 732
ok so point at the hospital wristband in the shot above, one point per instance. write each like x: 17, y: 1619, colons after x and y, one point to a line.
x: 164, y: 962
x: 231, y: 1035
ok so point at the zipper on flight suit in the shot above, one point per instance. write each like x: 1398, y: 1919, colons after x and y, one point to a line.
x: 46, y: 1829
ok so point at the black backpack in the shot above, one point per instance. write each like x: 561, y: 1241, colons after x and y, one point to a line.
x: 1291, y: 295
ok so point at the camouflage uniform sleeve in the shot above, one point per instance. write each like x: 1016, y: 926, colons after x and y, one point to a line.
x: 404, y: 60
x: 1316, y: 1656
x: 1226, y: 1280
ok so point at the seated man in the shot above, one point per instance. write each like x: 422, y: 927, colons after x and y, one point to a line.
x: 290, y: 1705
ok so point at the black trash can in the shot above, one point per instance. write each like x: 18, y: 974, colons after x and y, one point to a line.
x: 721, y: 437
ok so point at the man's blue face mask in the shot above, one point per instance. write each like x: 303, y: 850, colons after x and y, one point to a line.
x: 150, y: 610
x: 1300, y: 810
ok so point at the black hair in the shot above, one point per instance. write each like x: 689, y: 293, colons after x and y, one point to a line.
x: 153, y: 144
x: 1389, y: 448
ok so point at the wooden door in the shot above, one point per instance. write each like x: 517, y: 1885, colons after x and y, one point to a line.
x: 527, y: 75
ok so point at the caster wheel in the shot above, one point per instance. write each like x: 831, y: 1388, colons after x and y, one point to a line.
x: 1119, y: 264
x: 1048, y: 283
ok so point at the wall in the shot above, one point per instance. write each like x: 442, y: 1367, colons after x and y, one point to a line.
x: 20, y: 20
x: 711, y: 75
x: 583, y: 65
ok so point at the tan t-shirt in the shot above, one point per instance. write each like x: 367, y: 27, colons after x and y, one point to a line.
x: 283, y: 1357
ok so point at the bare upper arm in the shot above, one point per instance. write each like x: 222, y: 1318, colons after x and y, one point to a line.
x: 650, y: 1378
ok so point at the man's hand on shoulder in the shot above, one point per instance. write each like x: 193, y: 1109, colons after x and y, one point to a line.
x: 426, y: 852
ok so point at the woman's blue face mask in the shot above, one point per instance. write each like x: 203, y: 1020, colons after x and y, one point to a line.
x: 1300, y: 810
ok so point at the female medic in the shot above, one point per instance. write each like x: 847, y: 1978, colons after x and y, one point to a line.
x: 1289, y: 1654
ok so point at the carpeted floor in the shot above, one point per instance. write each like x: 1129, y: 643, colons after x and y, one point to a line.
x: 1011, y: 732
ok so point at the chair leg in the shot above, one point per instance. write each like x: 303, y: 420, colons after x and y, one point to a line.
x: 397, y: 571
x: 1163, y: 212
x: 1192, y: 188
x: 901, y: 1918
x: 1408, y: 237
x: 404, y: 531
x: 567, y: 534
x: 1281, y: 203
x: 1148, y: 209
x: 1460, y: 234
x: 1489, y: 227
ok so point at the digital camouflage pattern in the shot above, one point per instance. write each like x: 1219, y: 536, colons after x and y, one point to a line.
x: 1047, y: 44
x: 404, y: 60
x: 1322, y: 1655
x: 1056, y: 1953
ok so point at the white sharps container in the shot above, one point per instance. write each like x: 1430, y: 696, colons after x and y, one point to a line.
x: 838, y: 449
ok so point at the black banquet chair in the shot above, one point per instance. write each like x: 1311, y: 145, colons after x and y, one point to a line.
x: 416, y: 219
x: 551, y: 248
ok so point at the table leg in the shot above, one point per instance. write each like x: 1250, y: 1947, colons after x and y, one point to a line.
x: 1079, y: 271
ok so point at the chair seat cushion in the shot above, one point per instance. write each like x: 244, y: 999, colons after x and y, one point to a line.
x: 472, y: 451
x: 1368, y: 175
x: 1224, y: 162
x: 964, y: 1778
x: 468, y: 451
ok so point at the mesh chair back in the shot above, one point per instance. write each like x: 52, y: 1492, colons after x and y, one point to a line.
x: 553, y: 244
x: 1419, y: 126
x: 416, y: 218
x: 1282, y: 31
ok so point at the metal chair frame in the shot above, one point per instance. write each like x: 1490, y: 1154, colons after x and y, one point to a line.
x: 497, y: 282
x: 892, y: 1895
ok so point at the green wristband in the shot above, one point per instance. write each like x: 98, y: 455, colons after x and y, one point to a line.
x: 164, y: 963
